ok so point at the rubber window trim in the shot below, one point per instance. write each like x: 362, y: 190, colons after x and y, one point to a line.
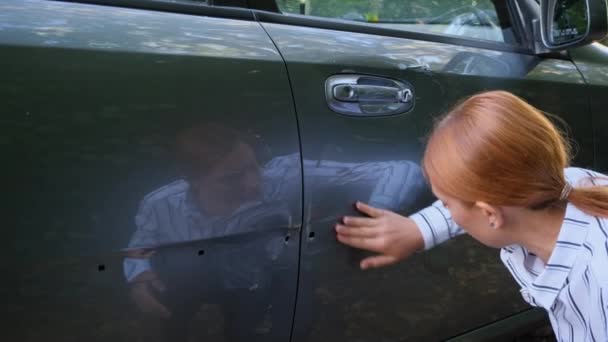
x: 341, y: 25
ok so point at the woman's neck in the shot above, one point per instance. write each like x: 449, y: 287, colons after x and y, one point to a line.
x: 537, y: 230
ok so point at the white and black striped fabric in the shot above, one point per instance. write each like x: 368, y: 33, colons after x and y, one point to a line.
x: 170, y: 214
x: 573, y: 285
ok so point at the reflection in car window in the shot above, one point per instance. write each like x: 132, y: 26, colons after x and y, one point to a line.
x: 475, y: 19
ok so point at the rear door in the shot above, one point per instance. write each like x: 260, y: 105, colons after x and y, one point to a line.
x: 350, y: 77
x: 152, y: 177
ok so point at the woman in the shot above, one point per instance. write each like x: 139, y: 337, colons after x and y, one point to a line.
x: 500, y: 171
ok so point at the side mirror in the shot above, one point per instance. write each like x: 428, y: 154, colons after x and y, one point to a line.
x: 571, y: 23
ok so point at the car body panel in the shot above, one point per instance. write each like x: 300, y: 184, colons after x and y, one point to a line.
x: 148, y: 154
x: 337, y: 301
x: 532, y: 324
x: 108, y: 111
x: 592, y: 61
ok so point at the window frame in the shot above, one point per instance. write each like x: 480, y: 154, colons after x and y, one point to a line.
x: 352, y: 26
x: 258, y: 11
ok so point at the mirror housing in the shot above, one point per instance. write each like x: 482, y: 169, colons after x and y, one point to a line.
x: 570, y: 23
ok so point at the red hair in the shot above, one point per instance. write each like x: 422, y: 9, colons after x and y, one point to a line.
x: 497, y: 148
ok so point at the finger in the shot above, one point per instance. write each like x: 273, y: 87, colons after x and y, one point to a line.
x: 359, y: 221
x: 148, y: 304
x: 377, y: 261
x: 140, y: 253
x: 149, y: 254
x: 357, y: 242
x: 156, y: 308
x: 369, y: 210
x: 162, y: 310
x: 363, y: 232
x: 158, y: 285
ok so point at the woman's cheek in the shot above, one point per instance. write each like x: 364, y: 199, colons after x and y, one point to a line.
x: 469, y: 225
x: 457, y: 217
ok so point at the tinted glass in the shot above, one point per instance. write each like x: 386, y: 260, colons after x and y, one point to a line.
x: 472, y: 19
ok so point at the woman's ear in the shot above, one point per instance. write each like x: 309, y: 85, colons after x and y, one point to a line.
x: 492, y: 213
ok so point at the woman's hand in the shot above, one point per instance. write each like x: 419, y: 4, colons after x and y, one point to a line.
x: 392, y: 236
x: 143, y: 289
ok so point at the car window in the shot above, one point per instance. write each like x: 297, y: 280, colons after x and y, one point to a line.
x: 476, y: 19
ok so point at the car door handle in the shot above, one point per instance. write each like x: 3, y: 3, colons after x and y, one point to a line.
x: 371, y: 93
x: 362, y: 95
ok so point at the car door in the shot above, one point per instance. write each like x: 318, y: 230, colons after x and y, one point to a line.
x: 152, y: 175
x: 592, y: 61
x: 367, y: 88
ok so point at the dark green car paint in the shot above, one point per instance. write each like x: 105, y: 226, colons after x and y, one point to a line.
x: 94, y: 99
x: 592, y: 61
x: 439, y: 285
x: 531, y: 321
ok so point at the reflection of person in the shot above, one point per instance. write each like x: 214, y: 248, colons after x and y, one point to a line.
x: 227, y: 194
x: 223, y: 194
x: 498, y: 167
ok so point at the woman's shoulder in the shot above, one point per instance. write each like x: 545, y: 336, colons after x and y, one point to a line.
x: 595, y: 247
x: 584, y: 177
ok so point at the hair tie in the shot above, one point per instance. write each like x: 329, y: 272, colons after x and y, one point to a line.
x: 565, y: 192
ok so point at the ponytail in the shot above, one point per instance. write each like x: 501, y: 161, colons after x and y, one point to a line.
x: 592, y: 200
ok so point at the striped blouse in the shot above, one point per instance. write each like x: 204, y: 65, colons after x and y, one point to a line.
x: 573, y: 286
